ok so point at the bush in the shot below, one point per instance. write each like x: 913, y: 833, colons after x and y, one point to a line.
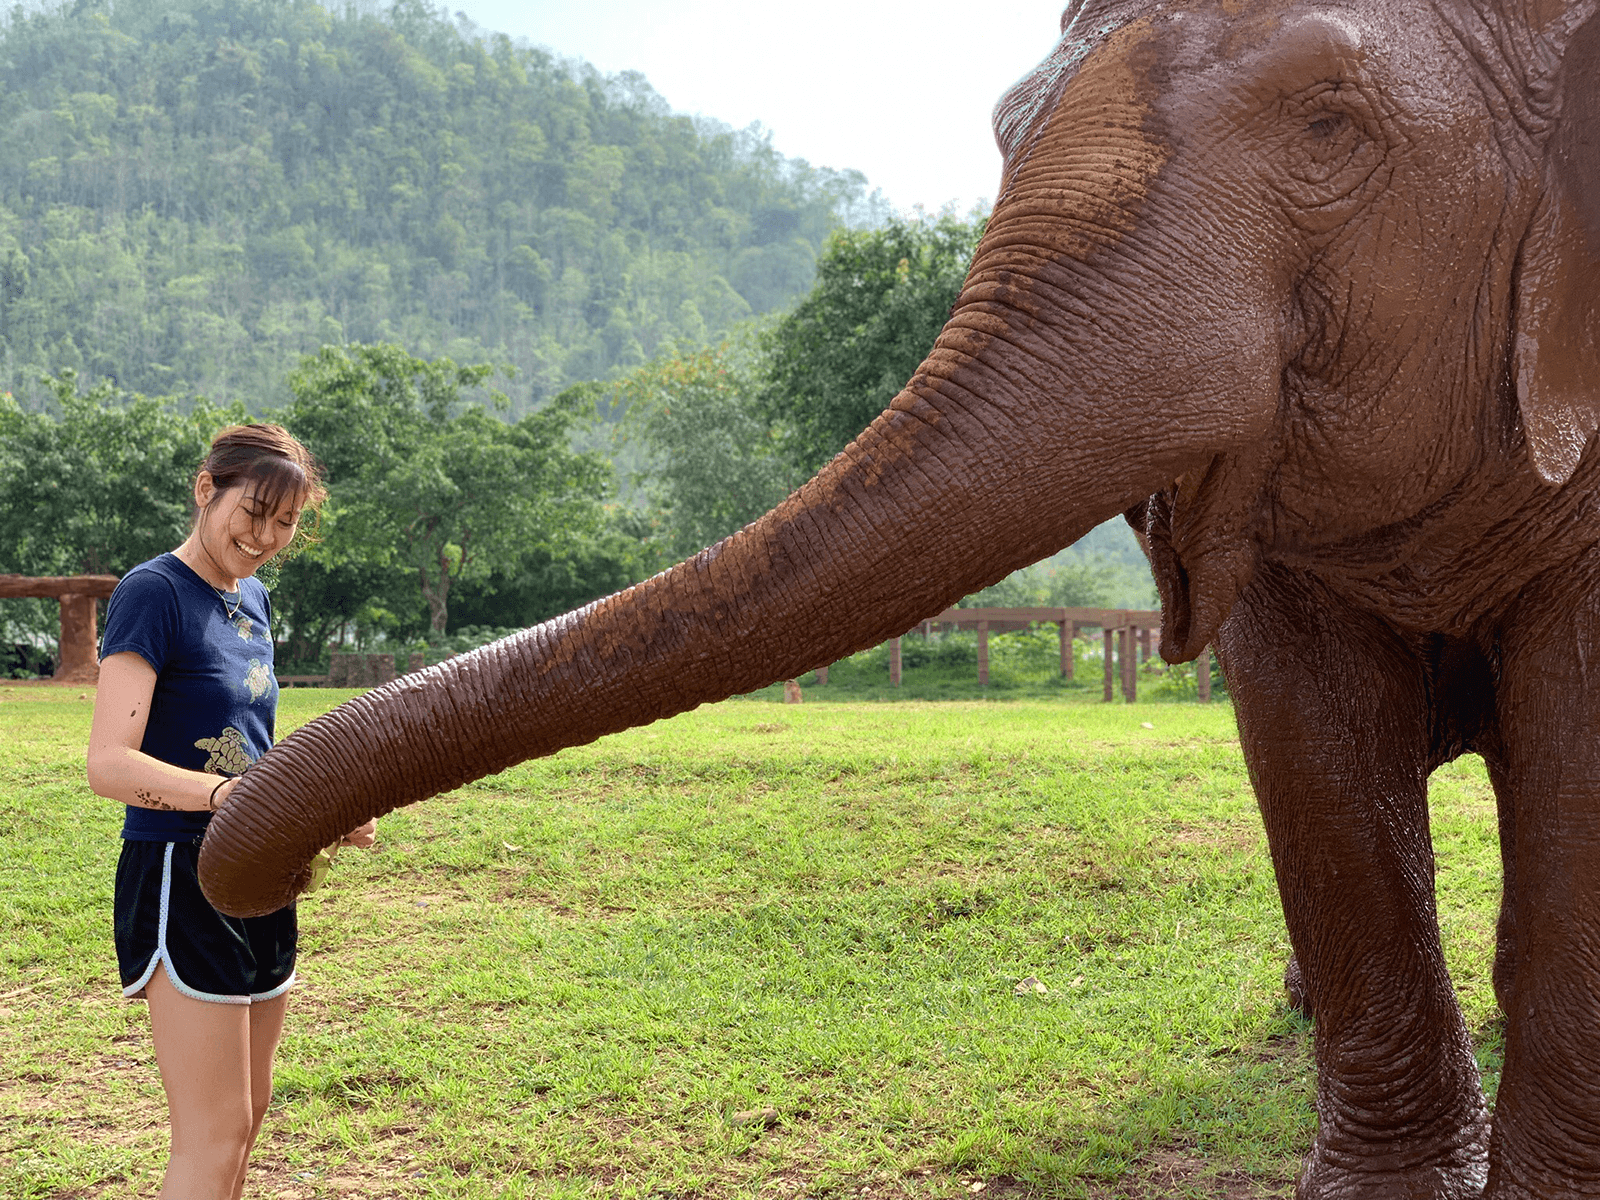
x: 20, y: 660
x: 30, y: 630
x: 470, y: 637
x: 942, y: 649
x: 1180, y: 682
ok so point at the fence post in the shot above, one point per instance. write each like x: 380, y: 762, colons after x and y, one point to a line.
x: 1110, y: 637
x: 822, y: 676
x: 983, y: 654
x: 1067, y: 631
x: 78, y: 663
x: 894, y: 662
x: 1144, y: 644
x: 1127, y: 651
x: 1202, y: 675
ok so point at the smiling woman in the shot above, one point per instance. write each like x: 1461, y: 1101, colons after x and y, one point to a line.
x: 186, y: 702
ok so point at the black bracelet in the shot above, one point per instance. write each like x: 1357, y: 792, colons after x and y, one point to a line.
x: 220, y: 782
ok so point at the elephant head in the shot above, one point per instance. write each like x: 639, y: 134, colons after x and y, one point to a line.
x: 1273, y: 277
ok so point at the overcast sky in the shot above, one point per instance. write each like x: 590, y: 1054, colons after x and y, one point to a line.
x: 901, y: 92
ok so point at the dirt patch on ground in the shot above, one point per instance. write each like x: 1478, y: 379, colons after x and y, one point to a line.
x: 1167, y: 1174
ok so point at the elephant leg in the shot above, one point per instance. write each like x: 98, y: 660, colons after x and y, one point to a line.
x: 1505, y: 933
x: 1546, y: 1139
x: 1333, y: 717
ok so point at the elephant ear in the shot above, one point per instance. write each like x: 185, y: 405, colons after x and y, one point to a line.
x: 1557, y: 346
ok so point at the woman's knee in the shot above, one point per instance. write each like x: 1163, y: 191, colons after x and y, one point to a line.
x: 221, y: 1133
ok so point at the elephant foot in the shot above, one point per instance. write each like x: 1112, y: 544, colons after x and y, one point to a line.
x: 1509, y: 1183
x: 1294, y: 988
x: 1458, y: 1174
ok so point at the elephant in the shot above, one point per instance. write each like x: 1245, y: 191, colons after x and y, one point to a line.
x: 1309, y: 290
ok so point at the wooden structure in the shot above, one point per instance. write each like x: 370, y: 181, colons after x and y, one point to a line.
x: 79, y: 660
x: 1130, y: 635
x: 348, y: 669
x: 359, y: 670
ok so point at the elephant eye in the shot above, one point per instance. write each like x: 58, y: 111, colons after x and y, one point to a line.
x: 1335, y: 140
x: 1335, y: 148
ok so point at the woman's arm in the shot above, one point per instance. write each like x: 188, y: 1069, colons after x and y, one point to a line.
x: 117, y: 768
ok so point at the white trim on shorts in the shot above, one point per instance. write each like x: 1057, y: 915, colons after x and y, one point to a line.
x: 164, y: 958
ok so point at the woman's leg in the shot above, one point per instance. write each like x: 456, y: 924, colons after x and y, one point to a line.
x: 266, y: 1028
x: 203, y: 1051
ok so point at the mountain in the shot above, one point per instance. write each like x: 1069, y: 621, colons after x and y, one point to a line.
x: 196, y: 192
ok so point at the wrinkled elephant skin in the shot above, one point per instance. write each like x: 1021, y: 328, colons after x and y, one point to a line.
x: 1309, y: 292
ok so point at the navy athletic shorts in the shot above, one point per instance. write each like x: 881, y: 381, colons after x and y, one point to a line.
x: 163, y: 919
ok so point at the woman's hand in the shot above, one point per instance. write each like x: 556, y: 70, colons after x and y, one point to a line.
x: 221, y: 791
x: 362, y: 836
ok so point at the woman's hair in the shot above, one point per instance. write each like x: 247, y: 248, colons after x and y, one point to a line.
x: 269, y: 457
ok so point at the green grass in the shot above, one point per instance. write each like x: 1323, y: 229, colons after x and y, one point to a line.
x: 570, y: 979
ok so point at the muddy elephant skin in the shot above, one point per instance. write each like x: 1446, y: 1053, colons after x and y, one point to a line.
x: 1310, y: 292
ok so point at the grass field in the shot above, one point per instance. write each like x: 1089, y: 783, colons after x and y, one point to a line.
x: 581, y: 977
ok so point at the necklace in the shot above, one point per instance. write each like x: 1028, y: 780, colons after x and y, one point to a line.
x: 223, y: 596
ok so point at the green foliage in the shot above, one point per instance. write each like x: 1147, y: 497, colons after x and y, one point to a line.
x: 246, y: 180
x: 844, y: 353
x: 429, y: 492
x: 23, y: 659
x: 1104, y: 569
x: 97, y: 482
x: 1181, y: 681
x: 467, y: 637
x: 1062, y: 582
x: 424, y: 479
x: 314, y: 599
x: 714, y: 462
x: 546, y: 581
x: 101, y: 481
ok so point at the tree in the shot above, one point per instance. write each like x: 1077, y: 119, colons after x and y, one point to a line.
x: 714, y: 461
x: 880, y: 299
x: 313, y: 600
x: 101, y: 483
x: 1066, y: 581
x: 545, y: 583
x: 96, y: 483
x: 421, y: 477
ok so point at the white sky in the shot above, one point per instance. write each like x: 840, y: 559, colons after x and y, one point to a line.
x: 901, y: 92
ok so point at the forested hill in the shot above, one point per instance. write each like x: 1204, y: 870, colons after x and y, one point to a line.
x: 194, y: 192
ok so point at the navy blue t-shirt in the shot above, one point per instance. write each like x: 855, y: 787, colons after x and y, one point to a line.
x: 216, y: 697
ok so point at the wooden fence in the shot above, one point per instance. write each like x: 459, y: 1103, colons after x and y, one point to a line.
x: 348, y: 670
x: 1130, y: 637
x: 78, y: 661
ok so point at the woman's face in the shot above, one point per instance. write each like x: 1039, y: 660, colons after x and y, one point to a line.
x: 237, y: 532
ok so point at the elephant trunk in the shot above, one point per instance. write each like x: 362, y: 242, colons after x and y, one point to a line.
x: 953, y: 487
